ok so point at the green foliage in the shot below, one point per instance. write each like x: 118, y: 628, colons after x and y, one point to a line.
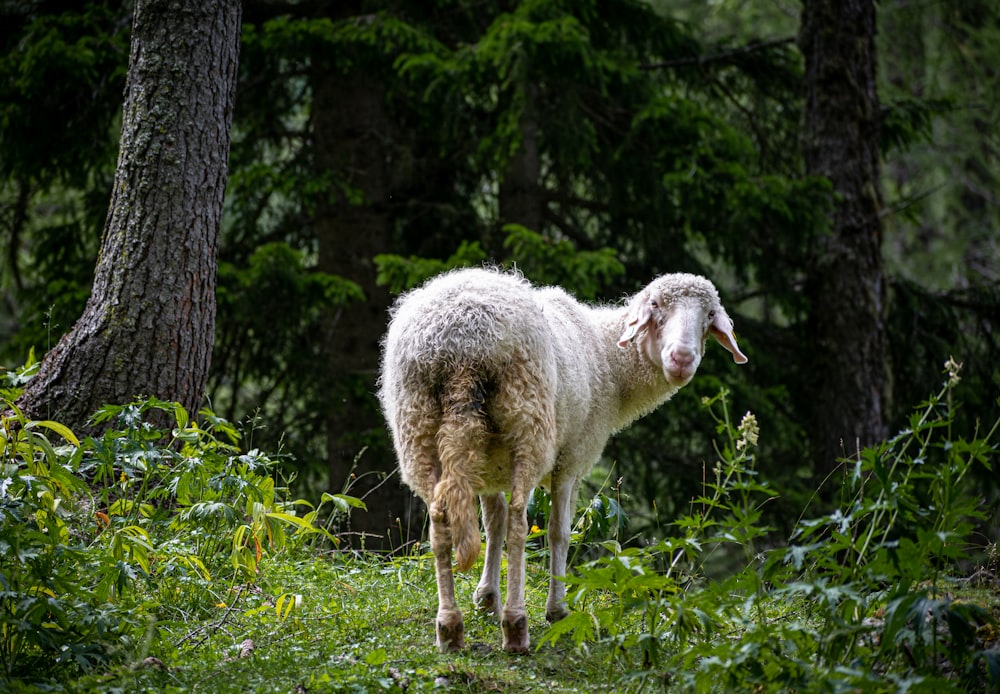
x: 399, y: 273
x: 47, y: 613
x: 559, y: 262
x: 544, y: 260
x: 58, y: 71
x: 61, y: 79
x: 603, y: 517
x: 158, y: 502
x: 937, y: 91
x: 859, y: 599
x: 190, y: 480
x: 376, y: 38
x: 907, y: 121
x: 271, y: 340
x: 272, y: 302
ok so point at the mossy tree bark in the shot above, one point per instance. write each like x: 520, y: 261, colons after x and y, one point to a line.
x: 847, y: 289
x: 148, y: 327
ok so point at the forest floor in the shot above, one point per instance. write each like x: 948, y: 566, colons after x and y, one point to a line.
x: 345, y: 622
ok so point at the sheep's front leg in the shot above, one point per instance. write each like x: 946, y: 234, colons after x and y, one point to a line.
x: 515, y: 618
x: 487, y: 595
x: 560, y: 522
x: 449, y: 627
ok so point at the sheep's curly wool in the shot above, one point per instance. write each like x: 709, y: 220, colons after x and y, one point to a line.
x: 492, y: 385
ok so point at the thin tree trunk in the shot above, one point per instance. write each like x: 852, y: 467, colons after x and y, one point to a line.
x: 148, y: 327
x: 520, y: 197
x: 847, y: 288
x: 351, y: 128
x: 978, y: 168
x: 905, y: 68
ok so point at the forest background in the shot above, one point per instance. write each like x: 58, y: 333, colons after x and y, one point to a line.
x: 593, y: 145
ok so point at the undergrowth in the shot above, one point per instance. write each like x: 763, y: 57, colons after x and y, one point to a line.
x: 867, y: 598
x: 168, y: 558
x: 101, y: 538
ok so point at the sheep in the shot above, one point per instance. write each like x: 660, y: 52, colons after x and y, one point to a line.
x: 491, y: 385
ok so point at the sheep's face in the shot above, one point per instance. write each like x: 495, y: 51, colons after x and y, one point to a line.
x: 675, y: 336
x: 671, y: 320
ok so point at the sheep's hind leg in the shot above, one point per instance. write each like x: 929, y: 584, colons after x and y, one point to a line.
x: 449, y: 628
x: 526, y: 416
x: 514, y: 620
x: 560, y: 518
x: 487, y: 595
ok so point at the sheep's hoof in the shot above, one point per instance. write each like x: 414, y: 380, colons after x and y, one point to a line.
x: 515, y: 632
x: 450, y: 632
x: 486, y: 601
x: 554, y: 614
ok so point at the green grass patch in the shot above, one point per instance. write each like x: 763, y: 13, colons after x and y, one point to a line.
x: 337, y: 622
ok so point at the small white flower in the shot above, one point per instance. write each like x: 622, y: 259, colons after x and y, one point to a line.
x: 953, y: 367
x: 748, y: 432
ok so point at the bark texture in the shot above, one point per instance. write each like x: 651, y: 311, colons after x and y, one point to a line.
x: 148, y: 327
x: 847, y: 288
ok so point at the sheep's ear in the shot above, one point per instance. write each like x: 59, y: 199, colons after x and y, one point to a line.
x: 638, y: 316
x: 721, y: 329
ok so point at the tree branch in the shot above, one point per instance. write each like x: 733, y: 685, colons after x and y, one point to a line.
x: 723, y: 57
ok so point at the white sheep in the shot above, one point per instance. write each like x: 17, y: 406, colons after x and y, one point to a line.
x: 491, y: 385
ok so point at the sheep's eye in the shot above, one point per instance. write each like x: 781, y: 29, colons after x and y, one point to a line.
x: 711, y: 314
x: 654, y: 303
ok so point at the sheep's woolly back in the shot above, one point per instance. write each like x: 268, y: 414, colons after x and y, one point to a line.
x: 469, y: 316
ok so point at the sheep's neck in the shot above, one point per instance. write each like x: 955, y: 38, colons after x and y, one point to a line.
x: 641, y: 385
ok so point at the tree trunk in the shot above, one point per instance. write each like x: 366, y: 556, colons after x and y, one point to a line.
x: 520, y: 194
x: 847, y: 328
x: 148, y: 327
x: 977, y: 174
x: 350, y: 128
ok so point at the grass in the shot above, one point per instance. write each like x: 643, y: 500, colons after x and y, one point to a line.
x: 356, y: 623
x: 363, y: 623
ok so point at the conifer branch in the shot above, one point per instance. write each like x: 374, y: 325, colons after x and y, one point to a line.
x: 723, y: 57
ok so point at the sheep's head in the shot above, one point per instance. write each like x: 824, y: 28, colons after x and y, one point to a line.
x: 672, y: 318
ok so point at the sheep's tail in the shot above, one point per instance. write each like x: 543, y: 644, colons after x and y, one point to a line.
x: 461, y: 442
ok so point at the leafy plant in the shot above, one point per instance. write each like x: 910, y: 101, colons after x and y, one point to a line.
x: 47, y: 613
x: 193, y: 480
x: 859, y: 598
x: 157, y: 502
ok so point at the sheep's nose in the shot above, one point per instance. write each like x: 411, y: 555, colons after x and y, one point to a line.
x: 682, y: 356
